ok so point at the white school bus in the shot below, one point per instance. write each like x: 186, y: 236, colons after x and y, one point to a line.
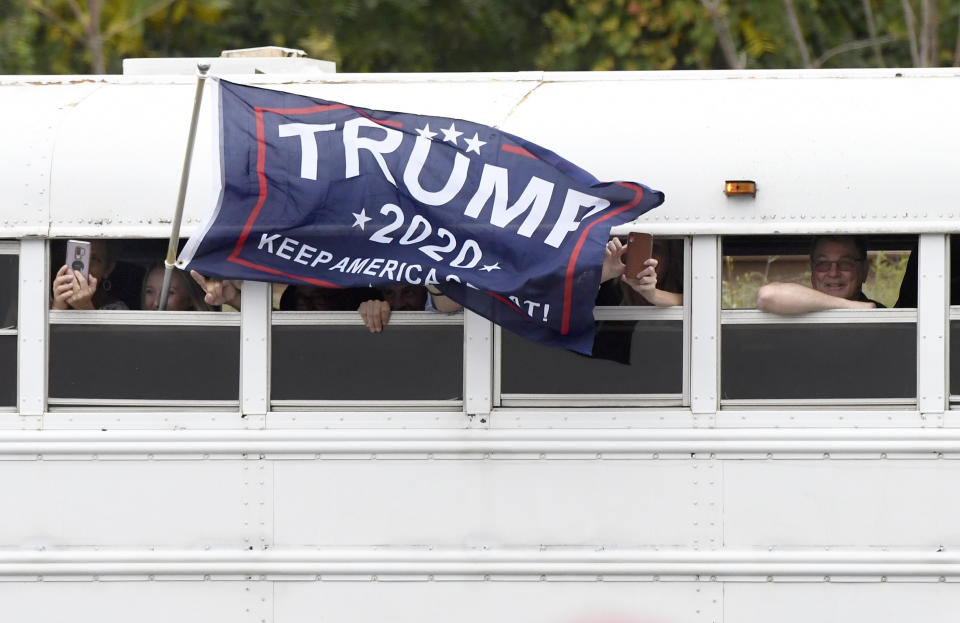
x: 288, y: 466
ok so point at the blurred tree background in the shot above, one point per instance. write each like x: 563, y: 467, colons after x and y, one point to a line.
x: 93, y: 36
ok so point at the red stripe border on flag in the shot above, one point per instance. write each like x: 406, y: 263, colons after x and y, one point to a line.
x: 572, y: 264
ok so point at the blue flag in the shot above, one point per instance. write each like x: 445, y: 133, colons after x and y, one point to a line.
x: 322, y: 193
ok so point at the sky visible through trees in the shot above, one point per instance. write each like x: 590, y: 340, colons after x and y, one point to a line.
x: 93, y: 36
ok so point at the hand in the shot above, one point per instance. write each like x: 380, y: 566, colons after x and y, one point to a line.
x: 218, y: 291
x: 645, y: 282
x: 375, y: 314
x: 62, y: 288
x: 613, y: 260
x: 72, y: 289
x: 83, y: 291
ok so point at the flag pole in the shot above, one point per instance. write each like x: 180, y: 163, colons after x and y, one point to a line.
x: 170, y: 262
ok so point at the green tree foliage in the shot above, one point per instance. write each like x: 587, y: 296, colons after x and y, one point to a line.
x: 79, y: 36
x: 627, y: 34
x: 412, y: 35
x: 85, y: 36
x: 720, y: 34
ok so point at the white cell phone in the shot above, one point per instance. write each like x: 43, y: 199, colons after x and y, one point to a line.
x: 78, y: 257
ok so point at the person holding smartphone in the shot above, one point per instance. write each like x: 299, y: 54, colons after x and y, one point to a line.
x: 640, y: 272
x: 83, y: 281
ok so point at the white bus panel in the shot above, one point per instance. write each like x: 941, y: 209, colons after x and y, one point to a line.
x: 829, y: 150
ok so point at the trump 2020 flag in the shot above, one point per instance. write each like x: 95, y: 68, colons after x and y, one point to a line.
x: 327, y: 194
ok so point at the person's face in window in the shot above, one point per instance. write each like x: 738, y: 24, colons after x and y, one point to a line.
x: 313, y: 298
x: 406, y: 298
x: 178, y: 298
x: 837, y: 269
x: 100, y: 266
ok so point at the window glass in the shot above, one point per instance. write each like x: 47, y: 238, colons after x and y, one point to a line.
x: 9, y: 286
x: 955, y: 357
x: 148, y: 362
x: 630, y: 357
x: 348, y: 362
x: 8, y: 370
x: 819, y: 361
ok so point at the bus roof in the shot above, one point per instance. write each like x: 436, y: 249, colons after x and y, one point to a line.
x: 870, y: 150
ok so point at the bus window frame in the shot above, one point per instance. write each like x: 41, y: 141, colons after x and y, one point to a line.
x: 12, y: 247
x: 953, y: 315
x: 619, y: 312
x: 352, y: 319
x: 928, y: 253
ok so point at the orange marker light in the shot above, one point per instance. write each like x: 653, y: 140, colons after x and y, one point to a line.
x: 740, y: 187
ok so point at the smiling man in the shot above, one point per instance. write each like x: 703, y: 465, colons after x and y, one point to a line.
x: 838, y: 268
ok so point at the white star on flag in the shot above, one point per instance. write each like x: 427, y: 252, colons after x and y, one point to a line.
x: 491, y: 267
x: 426, y: 133
x: 451, y: 134
x: 361, y: 219
x: 474, y: 144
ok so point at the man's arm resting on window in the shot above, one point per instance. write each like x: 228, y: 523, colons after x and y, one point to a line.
x: 441, y: 302
x: 793, y: 298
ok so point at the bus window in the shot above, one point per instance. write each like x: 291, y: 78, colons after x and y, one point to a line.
x: 637, y: 354
x: 954, y: 361
x: 851, y: 352
x: 322, y: 353
x: 9, y: 267
x: 112, y: 347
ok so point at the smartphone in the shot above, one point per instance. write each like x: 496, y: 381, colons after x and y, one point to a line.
x: 78, y: 257
x: 639, y: 250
